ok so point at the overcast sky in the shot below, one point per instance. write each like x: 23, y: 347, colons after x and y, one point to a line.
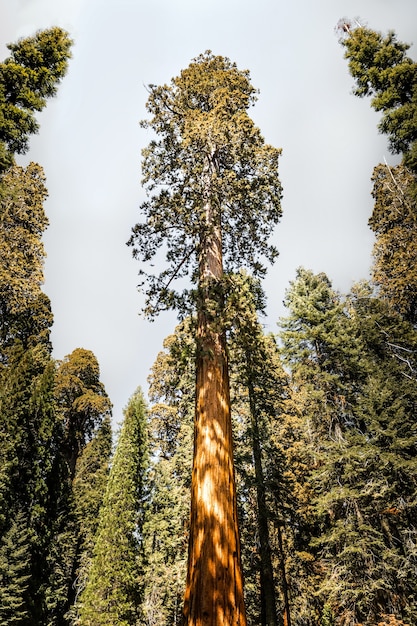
x: 90, y: 147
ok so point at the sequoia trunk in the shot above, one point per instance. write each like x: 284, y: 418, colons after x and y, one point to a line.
x: 214, y: 591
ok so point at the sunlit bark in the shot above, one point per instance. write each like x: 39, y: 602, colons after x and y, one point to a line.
x: 214, y: 591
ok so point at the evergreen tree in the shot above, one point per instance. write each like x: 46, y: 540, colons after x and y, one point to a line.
x: 88, y: 489
x: 83, y: 412
x: 15, y: 572
x: 216, y: 198
x: 259, y: 379
x: 114, y: 589
x: 82, y: 402
x: 28, y: 77
x: 353, y: 388
x: 381, y: 68
x: 166, y: 526
x: 28, y: 429
x: 394, y: 222
x: 172, y: 395
x: 28, y: 426
x: 25, y: 316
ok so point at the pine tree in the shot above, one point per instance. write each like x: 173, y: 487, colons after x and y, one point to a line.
x: 394, y: 222
x: 259, y: 378
x: 216, y: 198
x: 88, y: 489
x: 82, y: 402
x: 114, y: 589
x: 28, y: 429
x: 172, y: 395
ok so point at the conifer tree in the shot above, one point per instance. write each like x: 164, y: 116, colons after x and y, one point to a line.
x: 172, y: 393
x: 113, y: 592
x: 258, y: 373
x: 88, y: 489
x: 394, y: 222
x: 27, y: 432
x: 353, y: 390
x: 214, y: 199
x: 15, y: 572
x: 28, y: 77
x: 166, y: 524
x: 381, y: 68
x: 83, y: 411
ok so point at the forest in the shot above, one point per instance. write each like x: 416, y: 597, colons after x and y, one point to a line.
x: 265, y: 479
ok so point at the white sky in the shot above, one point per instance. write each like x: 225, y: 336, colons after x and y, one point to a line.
x: 90, y: 142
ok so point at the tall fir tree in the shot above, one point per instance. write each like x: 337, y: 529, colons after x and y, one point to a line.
x: 382, y: 70
x: 88, y: 489
x: 28, y: 426
x: 166, y: 527
x: 114, y: 589
x: 257, y: 389
x: 28, y: 431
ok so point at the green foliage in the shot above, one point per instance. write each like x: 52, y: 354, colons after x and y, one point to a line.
x: 328, y: 616
x: 15, y: 567
x: 25, y: 314
x: 254, y: 360
x: 83, y: 413
x: 394, y: 222
x: 355, y: 391
x: 81, y: 401
x: 28, y: 77
x: 168, y: 506
x: 208, y: 149
x: 382, y: 70
x: 257, y: 389
x: 113, y: 591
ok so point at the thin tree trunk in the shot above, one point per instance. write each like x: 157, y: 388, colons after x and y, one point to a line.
x: 286, y: 614
x: 214, y: 591
x: 268, y: 602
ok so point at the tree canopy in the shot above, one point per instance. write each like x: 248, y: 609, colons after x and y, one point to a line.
x: 204, y: 132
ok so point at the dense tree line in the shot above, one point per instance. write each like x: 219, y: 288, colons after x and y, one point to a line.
x: 299, y: 449
x: 55, y: 434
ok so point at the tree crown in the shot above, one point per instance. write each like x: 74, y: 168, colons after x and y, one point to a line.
x: 207, y: 146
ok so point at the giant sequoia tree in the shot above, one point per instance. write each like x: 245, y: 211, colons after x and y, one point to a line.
x: 214, y: 198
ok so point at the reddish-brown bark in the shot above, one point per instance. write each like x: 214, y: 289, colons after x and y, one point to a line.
x: 214, y: 591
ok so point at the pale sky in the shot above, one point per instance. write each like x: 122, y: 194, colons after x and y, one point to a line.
x: 90, y: 146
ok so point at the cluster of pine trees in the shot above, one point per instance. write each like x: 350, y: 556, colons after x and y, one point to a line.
x: 309, y: 517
